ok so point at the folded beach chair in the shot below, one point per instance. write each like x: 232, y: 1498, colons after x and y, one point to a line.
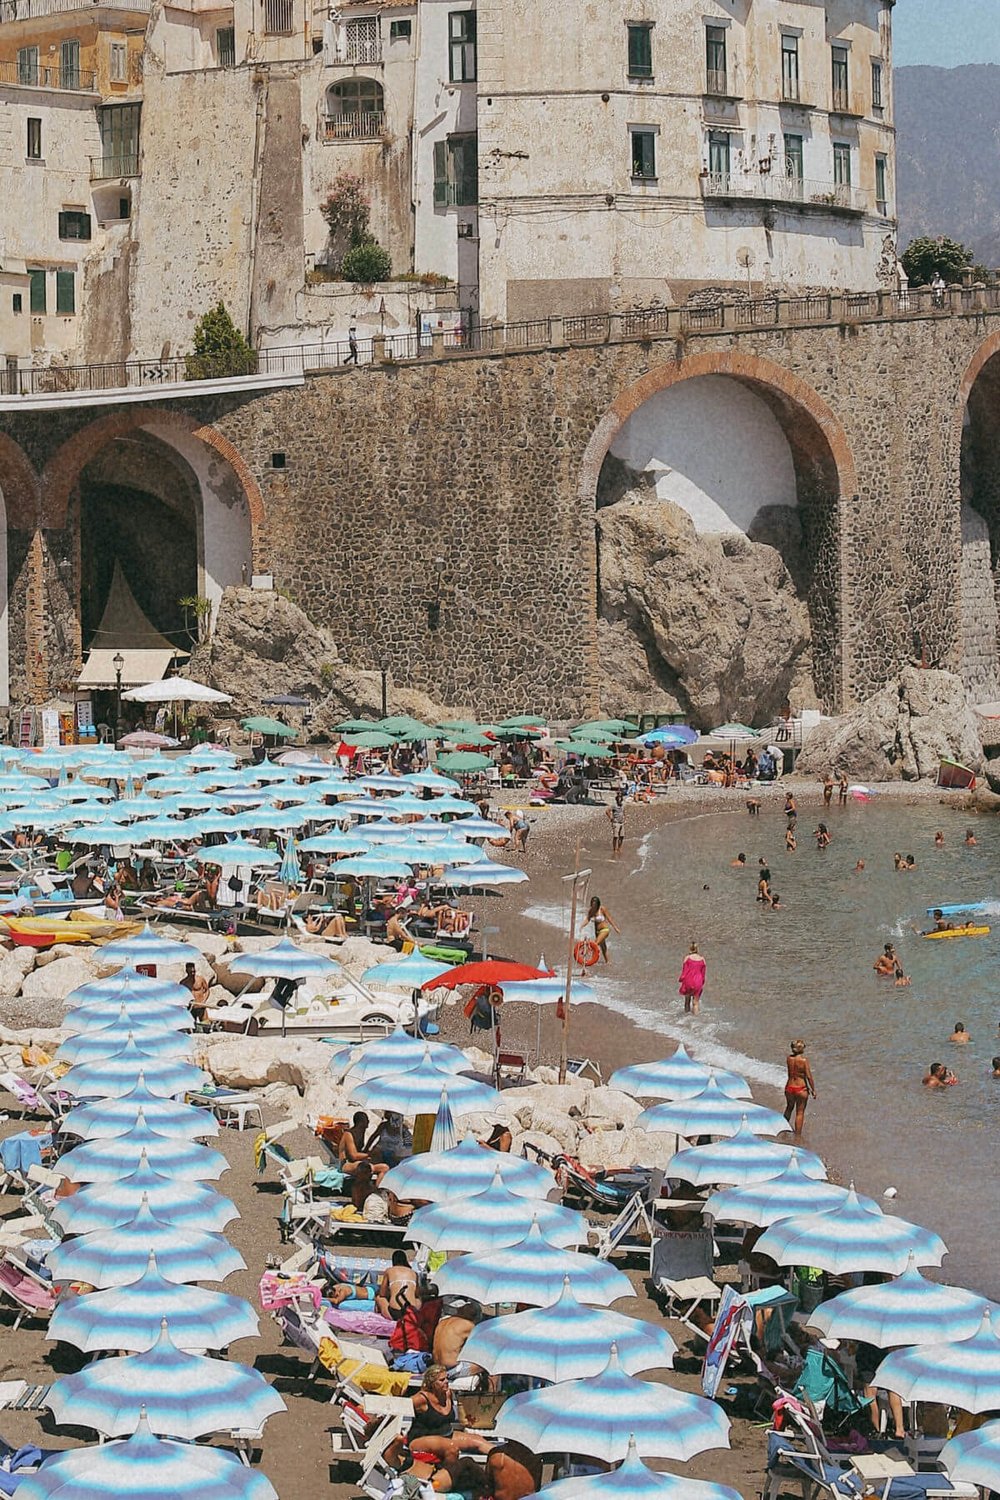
x: 28, y: 1296
x: 634, y: 1230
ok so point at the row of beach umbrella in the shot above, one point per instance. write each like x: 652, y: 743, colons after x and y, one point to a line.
x: 144, y: 1229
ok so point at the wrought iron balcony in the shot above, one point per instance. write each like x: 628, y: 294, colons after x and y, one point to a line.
x: 119, y: 164
x: 367, y: 125
x: 38, y: 76
x: 776, y: 187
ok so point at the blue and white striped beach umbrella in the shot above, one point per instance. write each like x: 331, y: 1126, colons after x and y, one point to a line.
x: 284, y: 961
x: 423, y: 1090
x: 567, y: 1341
x: 599, y: 1416
x: 974, y: 1457
x: 711, y: 1112
x: 482, y: 876
x: 792, y: 1191
x: 144, y: 1467
x: 965, y: 1374
x: 397, y: 1051
x: 241, y: 852
x: 909, y: 1310
x: 149, y: 947
x: 129, y: 1317
x: 407, y: 973
x: 744, y: 1157
x: 139, y: 1016
x: 494, y: 1219
x: 532, y: 1272
x: 676, y: 1077
x: 111, y: 1077
x: 851, y: 1237
x: 107, y: 1041
x: 107, y: 1159
x: 129, y: 985
x: 184, y: 1395
x: 114, y: 1257
x: 335, y: 843
x: 375, y: 866
x: 634, y: 1480
x: 439, y: 1176
x: 104, y: 1205
x: 435, y: 780
x: 547, y: 989
x: 106, y: 1119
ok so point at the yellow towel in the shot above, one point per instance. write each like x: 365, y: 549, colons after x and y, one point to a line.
x: 371, y: 1378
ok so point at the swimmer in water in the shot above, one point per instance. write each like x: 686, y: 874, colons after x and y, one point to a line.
x: 886, y: 961
x: 960, y: 1036
x: 791, y: 811
x: 941, y: 923
x: 897, y: 862
x: 939, y: 839
x: 776, y: 902
x: 764, y: 884
x: 859, y: 867
x: 799, y: 1086
x: 938, y: 1077
x: 995, y: 1065
x: 822, y: 836
x: 911, y: 863
x: 790, y: 844
x: 739, y: 863
x: 901, y: 979
x: 970, y: 837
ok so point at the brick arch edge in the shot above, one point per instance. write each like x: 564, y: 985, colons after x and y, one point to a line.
x: 18, y: 485
x: 63, y: 468
x: 752, y: 370
x: 989, y: 349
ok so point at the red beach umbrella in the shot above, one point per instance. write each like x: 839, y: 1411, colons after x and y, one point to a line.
x: 485, y: 971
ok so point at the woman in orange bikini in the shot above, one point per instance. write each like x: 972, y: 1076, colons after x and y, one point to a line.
x: 799, y: 1086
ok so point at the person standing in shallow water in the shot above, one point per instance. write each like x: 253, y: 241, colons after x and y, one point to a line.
x: 799, y: 1085
x: 692, y: 980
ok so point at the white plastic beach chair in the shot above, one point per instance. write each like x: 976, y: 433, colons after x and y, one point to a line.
x: 681, y: 1268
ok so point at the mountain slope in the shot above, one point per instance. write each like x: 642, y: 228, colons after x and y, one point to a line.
x: 948, y: 156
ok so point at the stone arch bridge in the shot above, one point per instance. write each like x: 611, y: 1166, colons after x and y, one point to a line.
x: 439, y: 514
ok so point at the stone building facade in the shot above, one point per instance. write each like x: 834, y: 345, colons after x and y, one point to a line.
x: 439, y: 517
x: 517, y: 163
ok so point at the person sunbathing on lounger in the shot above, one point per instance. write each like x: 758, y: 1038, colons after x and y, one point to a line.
x: 352, y: 1152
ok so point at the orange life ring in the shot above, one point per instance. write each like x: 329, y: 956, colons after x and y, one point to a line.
x: 586, y: 953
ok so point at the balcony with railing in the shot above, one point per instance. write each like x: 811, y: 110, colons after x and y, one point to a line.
x: 368, y: 125
x: 35, y: 76
x: 776, y: 187
x: 718, y: 82
x: 33, y: 10
x: 110, y: 168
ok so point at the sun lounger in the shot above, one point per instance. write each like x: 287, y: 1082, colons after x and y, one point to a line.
x: 22, y: 1395
x: 681, y: 1268
x: 25, y: 1293
x: 634, y: 1230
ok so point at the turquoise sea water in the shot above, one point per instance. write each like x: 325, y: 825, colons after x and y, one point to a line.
x: 806, y: 971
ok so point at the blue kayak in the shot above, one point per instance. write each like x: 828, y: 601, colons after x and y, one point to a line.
x: 959, y: 906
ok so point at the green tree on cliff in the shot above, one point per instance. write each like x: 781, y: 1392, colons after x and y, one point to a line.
x: 925, y: 258
x: 219, y: 348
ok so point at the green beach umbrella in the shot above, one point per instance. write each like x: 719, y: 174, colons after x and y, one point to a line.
x: 590, y: 748
x: 510, y: 732
x: 599, y: 728
x: 457, y: 724
x: 464, y: 760
x: 269, y: 726
x: 523, y: 721
x: 371, y: 739
x: 407, y: 728
x: 735, y: 732
x: 355, y: 726
x: 469, y: 737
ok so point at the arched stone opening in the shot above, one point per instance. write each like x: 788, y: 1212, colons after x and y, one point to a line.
x: 719, y: 583
x: 979, y: 466
x: 21, y: 615
x: 148, y: 519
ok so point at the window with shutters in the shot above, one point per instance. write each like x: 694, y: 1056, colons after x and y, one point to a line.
x: 118, y: 63
x: 840, y: 60
x: 877, y: 100
x: 789, y: 67
x: 36, y: 291
x: 27, y: 66
x: 69, y: 65
x: 462, y: 46
x: 640, y: 49
x: 456, y: 172
x: 841, y: 164
x: 33, y: 141
x: 65, y: 292
x: 361, y: 40
x: 225, y: 46
x: 74, y: 224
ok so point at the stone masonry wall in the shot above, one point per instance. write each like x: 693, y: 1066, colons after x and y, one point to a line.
x: 490, y: 464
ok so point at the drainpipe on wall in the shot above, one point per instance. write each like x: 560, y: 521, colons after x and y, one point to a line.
x: 260, y: 129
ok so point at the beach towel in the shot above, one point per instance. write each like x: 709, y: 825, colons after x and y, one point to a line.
x: 373, y: 1379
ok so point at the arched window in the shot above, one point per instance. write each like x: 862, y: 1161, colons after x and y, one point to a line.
x: 355, y: 96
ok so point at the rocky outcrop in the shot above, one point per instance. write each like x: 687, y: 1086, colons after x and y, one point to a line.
x: 264, y: 646
x: 903, y: 732
x: 710, y: 626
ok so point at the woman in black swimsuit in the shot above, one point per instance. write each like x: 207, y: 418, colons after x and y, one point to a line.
x: 433, y: 1429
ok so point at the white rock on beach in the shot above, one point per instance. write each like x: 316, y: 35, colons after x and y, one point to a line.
x: 57, y: 980
x: 246, y: 1062
x: 610, y: 1109
x: 627, y: 1148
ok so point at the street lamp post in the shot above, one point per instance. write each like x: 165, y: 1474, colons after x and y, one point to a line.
x: 384, y: 669
x: 118, y: 662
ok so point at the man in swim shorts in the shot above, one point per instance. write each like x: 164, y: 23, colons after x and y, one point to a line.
x: 616, y: 816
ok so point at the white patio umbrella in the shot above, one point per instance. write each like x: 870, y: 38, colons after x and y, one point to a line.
x: 742, y: 1158
x: 533, y: 1272
x: 974, y: 1457
x: 792, y: 1191
x: 175, y: 690
x: 567, y: 1341
x: 395, y: 1053
x: 599, y: 1416
x: 712, y: 1112
x: 965, y: 1373
x: 494, y: 1219
x: 851, y: 1237
x: 676, y: 1077
x: 909, y: 1310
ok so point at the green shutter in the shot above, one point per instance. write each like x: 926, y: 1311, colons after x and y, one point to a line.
x: 640, y: 51
x: 467, y: 175
x: 65, y: 292
x: 440, y: 174
x: 37, y: 296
